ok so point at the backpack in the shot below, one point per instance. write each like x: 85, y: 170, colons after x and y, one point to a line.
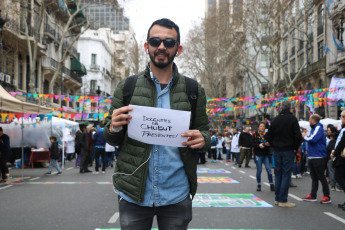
x: 191, y: 90
x: 214, y: 140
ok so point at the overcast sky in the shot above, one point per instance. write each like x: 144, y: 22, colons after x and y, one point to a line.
x: 142, y: 13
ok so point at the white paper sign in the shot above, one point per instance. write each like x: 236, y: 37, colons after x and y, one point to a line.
x: 158, y: 126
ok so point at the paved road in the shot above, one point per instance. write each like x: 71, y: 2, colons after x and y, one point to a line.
x: 88, y: 202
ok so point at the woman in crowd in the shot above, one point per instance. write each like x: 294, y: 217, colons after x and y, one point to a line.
x: 262, y: 155
x: 338, y: 159
x: 227, y: 141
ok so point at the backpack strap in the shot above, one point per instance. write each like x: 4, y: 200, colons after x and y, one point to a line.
x: 128, y: 89
x: 127, y: 93
x: 192, y: 93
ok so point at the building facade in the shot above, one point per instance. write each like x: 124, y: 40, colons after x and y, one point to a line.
x: 21, y: 30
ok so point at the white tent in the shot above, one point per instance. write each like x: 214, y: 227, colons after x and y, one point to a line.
x: 327, y: 121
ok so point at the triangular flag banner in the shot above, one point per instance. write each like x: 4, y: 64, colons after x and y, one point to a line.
x: 10, y: 116
x: 78, y: 116
x: 33, y: 116
x: 60, y: 115
x: 29, y: 95
x: 3, y: 116
x: 73, y: 115
x: 26, y: 115
x: 13, y: 93
x: 49, y: 116
x: 19, y: 115
x: 66, y: 116
x: 95, y: 116
x: 84, y: 116
x: 41, y: 117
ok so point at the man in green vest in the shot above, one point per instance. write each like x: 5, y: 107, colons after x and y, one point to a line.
x: 157, y: 180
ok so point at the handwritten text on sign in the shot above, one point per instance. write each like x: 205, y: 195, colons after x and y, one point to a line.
x: 158, y: 126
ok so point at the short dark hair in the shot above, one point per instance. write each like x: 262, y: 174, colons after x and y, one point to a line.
x: 52, y: 138
x: 167, y: 23
x: 1, y: 129
x: 286, y: 105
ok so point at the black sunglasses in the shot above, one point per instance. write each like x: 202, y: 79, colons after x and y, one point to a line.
x: 168, y: 42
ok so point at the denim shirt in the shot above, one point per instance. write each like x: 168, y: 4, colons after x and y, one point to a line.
x: 167, y: 181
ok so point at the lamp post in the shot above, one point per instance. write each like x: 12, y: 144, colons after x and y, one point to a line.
x: 98, y: 91
x: 263, y: 92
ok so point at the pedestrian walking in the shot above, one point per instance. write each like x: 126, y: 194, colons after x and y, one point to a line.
x: 338, y: 158
x: 262, y: 155
x: 285, y: 137
x: 84, y: 151
x: 157, y: 180
x: 54, y: 156
x: 245, y: 142
x: 235, y: 148
x: 317, y: 159
x: 5, y: 152
x: 99, y: 145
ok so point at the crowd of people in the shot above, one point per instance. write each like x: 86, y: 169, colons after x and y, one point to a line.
x: 288, y: 149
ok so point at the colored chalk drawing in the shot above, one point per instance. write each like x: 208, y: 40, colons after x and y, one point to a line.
x: 207, y: 170
x: 228, y: 200
x: 13, y: 181
x: 190, y: 229
x: 216, y: 180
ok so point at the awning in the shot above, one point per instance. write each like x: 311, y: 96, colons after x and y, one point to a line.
x: 78, y: 67
x: 14, y: 105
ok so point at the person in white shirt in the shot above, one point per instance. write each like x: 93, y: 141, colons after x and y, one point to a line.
x: 235, y: 148
x: 220, y: 146
x: 227, y: 141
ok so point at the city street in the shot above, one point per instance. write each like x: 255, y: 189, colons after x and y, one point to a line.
x: 88, y: 202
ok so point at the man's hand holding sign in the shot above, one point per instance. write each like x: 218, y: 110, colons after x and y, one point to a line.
x: 157, y: 126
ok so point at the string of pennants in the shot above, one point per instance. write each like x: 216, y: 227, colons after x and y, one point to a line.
x: 65, y: 97
x: 295, y: 95
x: 267, y: 97
x: 81, y: 108
x: 67, y: 116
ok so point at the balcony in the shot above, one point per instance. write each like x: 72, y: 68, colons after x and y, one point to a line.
x: 51, y: 64
x: 95, y: 67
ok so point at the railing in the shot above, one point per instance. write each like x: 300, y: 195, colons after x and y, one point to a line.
x: 95, y: 67
x: 50, y: 62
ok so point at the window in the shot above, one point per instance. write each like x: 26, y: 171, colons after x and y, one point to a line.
x: 263, y: 59
x: 320, y: 50
x: 293, y: 66
x: 93, y: 84
x: 93, y: 59
x: 300, y: 61
x: 293, y: 43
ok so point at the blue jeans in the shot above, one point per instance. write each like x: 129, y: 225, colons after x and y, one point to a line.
x: 228, y: 155
x: 296, y: 167
x: 169, y: 217
x: 265, y: 160
x: 54, y: 163
x: 219, y: 153
x: 283, y: 167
